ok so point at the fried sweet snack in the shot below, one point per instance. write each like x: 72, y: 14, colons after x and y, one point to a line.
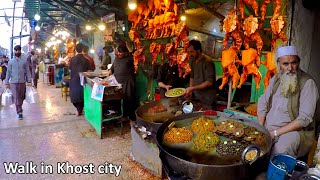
x: 178, y: 135
x: 202, y: 125
x: 206, y: 141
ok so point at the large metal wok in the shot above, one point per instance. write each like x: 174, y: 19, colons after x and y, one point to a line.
x: 180, y: 161
x: 152, y: 121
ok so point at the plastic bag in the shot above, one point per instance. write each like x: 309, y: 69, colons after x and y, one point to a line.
x: 41, y: 66
x: 112, y: 81
x: 7, y: 98
x: 31, y: 95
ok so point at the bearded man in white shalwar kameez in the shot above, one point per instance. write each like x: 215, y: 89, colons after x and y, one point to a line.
x: 288, y: 106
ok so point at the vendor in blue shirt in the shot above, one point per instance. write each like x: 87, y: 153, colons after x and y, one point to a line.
x: 18, y: 76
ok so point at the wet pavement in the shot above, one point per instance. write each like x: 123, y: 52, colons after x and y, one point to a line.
x: 61, y: 144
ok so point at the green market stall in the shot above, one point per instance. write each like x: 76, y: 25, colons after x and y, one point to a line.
x: 95, y: 110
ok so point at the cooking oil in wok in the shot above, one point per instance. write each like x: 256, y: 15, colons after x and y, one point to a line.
x: 158, y: 117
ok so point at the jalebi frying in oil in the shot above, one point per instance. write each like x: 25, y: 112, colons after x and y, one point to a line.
x: 206, y: 141
x: 202, y: 125
x: 178, y: 135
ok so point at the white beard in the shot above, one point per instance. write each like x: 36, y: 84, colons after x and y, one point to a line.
x: 289, y: 84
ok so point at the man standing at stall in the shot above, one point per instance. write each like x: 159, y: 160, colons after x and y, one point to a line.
x: 203, y: 76
x: 168, y: 77
x: 106, y: 58
x: 78, y: 64
x: 288, y: 106
x: 18, y: 73
x: 123, y: 70
x: 90, y: 59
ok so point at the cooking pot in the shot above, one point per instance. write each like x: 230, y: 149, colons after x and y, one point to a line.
x: 190, y: 165
x: 152, y: 121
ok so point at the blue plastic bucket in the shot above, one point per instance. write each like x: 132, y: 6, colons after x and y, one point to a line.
x: 280, y: 166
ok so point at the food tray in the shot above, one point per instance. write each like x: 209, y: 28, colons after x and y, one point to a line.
x: 189, y: 145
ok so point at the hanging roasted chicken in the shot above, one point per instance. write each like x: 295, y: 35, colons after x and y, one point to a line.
x: 229, y: 58
x: 170, y: 21
x: 171, y: 53
x: 158, y: 7
x: 142, y: 11
x: 182, y: 32
x: 156, y: 27
x: 138, y: 56
x: 263, y: 8
x: 133, y: 17
x: 149, y: 30
x: 134, y: 37
x: 231, y: 26
x: 170, y: 5
x: 276, y: 5
x: 155, y: 50
x: 183, y: 64
x: 253, y: 3
x: 277, y: 25
x: 251, y: 34
x: 250, y: 62
x: 271, y: 65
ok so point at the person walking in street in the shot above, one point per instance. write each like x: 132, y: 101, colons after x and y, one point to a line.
x: 18, y: 73
x: 78, y: 64
x: 34, y: 68
x: 4, y: 66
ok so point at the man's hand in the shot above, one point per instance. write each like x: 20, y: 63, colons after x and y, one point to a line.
x: 188, y: 92
x: 168, y: 87
x: 28, y: 84
x: 271, y: 134
x: 7, y: 86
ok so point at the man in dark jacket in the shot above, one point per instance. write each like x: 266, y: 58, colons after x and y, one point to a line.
x: 78, y: 64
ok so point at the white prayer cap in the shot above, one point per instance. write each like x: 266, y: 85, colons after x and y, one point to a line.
x: 286, y: 51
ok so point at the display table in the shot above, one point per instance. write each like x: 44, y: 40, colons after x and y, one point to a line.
x: 240, y: 114
x: 95, y: 111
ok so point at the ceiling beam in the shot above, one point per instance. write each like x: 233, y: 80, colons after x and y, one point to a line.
x: 75, y: 10
x: 59, y: 23
x: 209, y: 9
x: 90, y: 8
x: 65, y: 9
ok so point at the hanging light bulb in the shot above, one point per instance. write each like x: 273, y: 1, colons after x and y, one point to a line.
x: 132, y: 4
x: 183, y: 17
x: 88, y: 27
x: 37, y: 17
x: 91, y: 51
x: 102, y: 27
x: 37, y: 28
